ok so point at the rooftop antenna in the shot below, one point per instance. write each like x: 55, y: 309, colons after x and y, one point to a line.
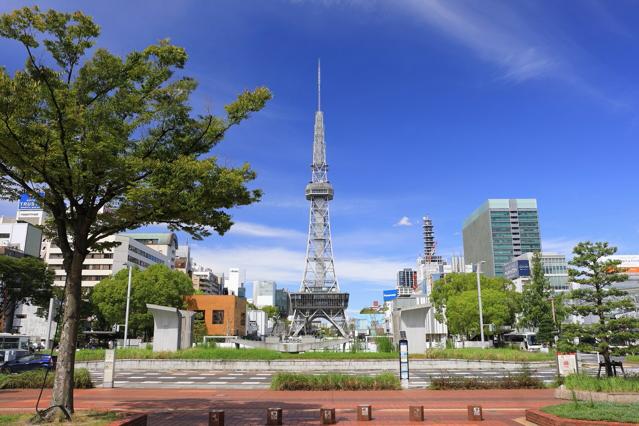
x: 319, y: 85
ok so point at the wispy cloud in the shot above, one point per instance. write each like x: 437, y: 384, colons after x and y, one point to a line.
x: 561, y: 245
x: 263, y: 231
x: 287, y: 266
x: 404, y: 221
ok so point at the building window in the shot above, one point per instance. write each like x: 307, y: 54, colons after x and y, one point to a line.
x: 218, y: 317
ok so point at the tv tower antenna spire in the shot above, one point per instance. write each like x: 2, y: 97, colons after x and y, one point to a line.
x: 319, y: 296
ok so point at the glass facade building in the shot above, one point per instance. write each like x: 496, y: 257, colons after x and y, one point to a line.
x: 500, y: 230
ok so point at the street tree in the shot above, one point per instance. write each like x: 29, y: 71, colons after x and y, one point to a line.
x: 106, y: 143
x: 22, y: 280
x: 455, y: 301
x: 158, y: 285
x: 595, y: 275
x: 536, y: 302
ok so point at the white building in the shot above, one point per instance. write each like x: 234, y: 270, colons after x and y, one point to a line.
x: 264, y: 293
x: 30, y: 211
x: 99, y: 265
x: 555, y: 267
x: 205, y: 280
x: 20, y: 236
x: 233, y: 282
x: 163, y: 242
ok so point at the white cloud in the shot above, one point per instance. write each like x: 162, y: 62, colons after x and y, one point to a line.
x: 561, y: 245
x: 263, y: 231
x: 287, y: 266
x: 404, y: 221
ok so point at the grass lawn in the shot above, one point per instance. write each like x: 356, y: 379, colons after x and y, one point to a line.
x: 598, y: 411
x: 632, y: 358
x: 89, y: 418
x: 265, y: 354
x: 604, y: 384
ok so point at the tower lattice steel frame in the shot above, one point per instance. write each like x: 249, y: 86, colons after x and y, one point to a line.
x: 319, y: 296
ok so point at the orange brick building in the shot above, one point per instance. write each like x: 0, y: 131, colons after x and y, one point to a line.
x: 223, y: 315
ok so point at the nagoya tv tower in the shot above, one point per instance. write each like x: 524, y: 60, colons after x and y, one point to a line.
x: 319, y: 296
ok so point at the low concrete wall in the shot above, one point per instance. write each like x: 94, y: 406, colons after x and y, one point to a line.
x: 301, y: 365
x: 622, y: 397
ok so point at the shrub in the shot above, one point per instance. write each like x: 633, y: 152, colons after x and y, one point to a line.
x: 516, y: 381
x: 385, y: 344
x: 334, y: 381
x: 33, y: 379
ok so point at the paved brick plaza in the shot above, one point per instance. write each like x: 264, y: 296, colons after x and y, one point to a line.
x: 246, y: 407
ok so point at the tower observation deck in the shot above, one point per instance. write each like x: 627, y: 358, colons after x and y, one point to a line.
x: 319, y: 296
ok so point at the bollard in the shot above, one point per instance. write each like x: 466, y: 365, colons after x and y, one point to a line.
x: 416, y: 413
x: 216, y: 418
x: 327, y: 416
x: 364, y: 413
x: 273, y: 416
x: 475, y: 413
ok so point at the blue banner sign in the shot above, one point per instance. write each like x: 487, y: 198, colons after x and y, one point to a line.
x: 27, y: 202
x: 390, y: 295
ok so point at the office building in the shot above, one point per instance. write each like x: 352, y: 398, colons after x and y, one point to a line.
x: 183, y: 261
x: 630, y: 266
x: 163, y: 242
x: 206, y: 281
x: 555, y: 268
x: 500, y: 230
x: 264, y: 293
x: 20, y: 236
x: 99, y: 265
x: 233, y: 282
x: 406, y: 282
x: 282, y: 301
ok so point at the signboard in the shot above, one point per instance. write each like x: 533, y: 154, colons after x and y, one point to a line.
x: 403, y: 359
x: 27, y: 202
x: 516, y: 269
x: 390, y: 295
x: 566, y: 364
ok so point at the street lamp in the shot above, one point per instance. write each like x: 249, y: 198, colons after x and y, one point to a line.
x: 481, y: 314
x: 128, y: 301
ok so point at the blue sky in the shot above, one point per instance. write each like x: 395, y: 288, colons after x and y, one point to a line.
x: 430, y: 107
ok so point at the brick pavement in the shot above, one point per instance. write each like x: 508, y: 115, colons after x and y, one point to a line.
x: 246, y: 407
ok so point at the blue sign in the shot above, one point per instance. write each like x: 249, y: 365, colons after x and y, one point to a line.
x: 27, y: 202
x: 390, y: 295
x: 523, y: 268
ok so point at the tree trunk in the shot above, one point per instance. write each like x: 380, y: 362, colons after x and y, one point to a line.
x: 63, y: 381
x: 608, y: 362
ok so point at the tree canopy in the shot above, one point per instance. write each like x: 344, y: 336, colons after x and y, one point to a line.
x: 158, y: 284
x: 537, y: 306
x: 455, y: 300
x: 106, y: 143
x: 23, y: 280
x: 596, y: 297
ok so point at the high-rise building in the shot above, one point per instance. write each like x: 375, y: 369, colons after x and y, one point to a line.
x: 406, y: 282
x: 264, y: 293
x: 498, y: 231
x: 205, y: 280
x: 555, y: 268
x: 233, y: 282
x: 163, y: 242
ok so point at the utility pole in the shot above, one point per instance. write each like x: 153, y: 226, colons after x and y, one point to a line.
x: 481, y: 314
x: 52, y: 307
x: 126, y: 315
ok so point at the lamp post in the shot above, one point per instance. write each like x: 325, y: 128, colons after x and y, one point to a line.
x: 481, y: 314
x: 128, y: 301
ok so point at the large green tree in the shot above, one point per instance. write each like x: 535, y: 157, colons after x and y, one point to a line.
x: 22, y: 280
x: 537, y: 309
x: 595, y: 275
x: 455, y: 300
x: 106, y: 143
x: 158, y: 284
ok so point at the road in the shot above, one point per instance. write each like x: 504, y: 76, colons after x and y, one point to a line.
x: 262, y: 379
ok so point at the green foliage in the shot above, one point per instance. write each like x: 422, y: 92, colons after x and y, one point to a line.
x: 536, y: 306
x: 516, y: 381
x: 157, y: 284
x: 88, y: 418
x: 605, y: 384
x: 596, y: 276
x: 334, y: 381
x: 384, y: 344
x: 597, y: 411
x: 455, y: 301
x: 23, y: 280
x: 489, y: 354
x: 33, y: 379
x: 271, y: 311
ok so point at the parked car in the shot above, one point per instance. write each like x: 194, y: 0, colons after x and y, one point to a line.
x: 28, y: 362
